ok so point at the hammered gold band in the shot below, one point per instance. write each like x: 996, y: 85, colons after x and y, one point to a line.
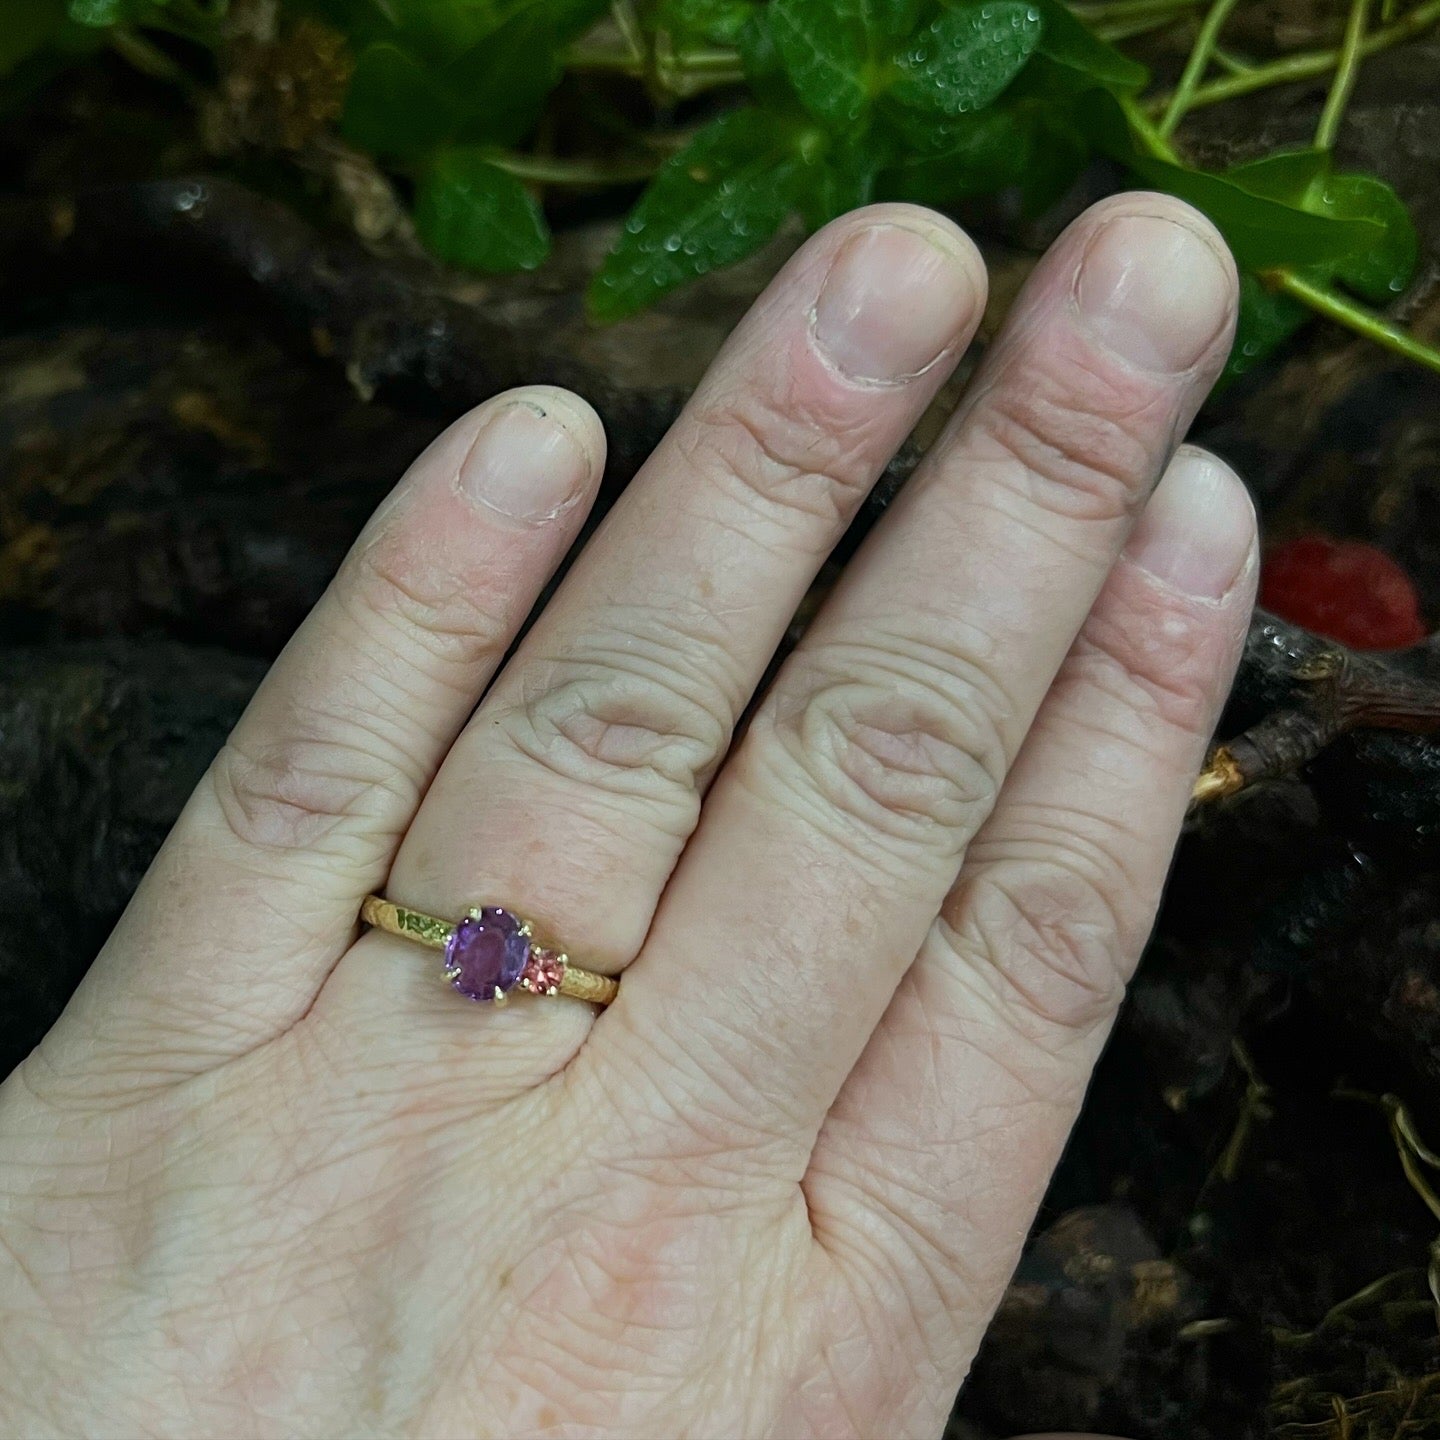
x: 491, y: 951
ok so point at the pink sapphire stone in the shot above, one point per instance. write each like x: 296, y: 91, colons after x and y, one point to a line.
x: 543, y: 971
x: 486, y: 954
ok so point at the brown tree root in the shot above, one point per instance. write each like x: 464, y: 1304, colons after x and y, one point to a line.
x: 1313, y: 691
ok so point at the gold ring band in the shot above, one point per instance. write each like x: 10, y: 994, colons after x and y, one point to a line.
x: 491, y: 951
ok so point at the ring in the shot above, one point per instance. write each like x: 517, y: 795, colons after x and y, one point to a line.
x: 490, y: 952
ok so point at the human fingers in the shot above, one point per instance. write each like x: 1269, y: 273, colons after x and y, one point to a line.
x: 575, y: 787
x: 255, y: 893
x: 833, y: 835
x: 935, y: 1156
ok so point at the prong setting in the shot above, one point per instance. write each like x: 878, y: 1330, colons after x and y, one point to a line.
x: 490, y: 952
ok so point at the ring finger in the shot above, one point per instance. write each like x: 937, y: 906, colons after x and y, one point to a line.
x: 571, y: 794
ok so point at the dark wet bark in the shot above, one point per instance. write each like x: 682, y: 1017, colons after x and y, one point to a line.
x: 100, y: 744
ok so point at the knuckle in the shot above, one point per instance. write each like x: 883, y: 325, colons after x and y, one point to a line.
x: 1160, y: 663
x: 1150, y: 706
x: 791, y: 451
x: 1048, y: 936
x: 1086, y: 441
x: 309, y: 793
x: 640, y: 721
x: 439, y: 607
x: 891, y: 743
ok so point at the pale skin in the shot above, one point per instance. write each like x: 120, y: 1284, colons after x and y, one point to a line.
x: 271, y: 1176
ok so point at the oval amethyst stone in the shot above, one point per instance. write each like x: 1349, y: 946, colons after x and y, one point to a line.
x: 486, y: 954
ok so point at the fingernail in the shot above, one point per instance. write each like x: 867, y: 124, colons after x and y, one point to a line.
x: 894, y: 301
x: 1197, y: 531
x: 1153, y: 291
x: 525, y: 463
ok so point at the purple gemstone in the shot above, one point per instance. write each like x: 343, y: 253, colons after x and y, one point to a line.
x: 487, y: 954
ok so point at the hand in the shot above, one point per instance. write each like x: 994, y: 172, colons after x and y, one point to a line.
x: 269, y: 1176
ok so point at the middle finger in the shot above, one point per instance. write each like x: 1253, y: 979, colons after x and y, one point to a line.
x: 572, y: 792
x: 834, y: 833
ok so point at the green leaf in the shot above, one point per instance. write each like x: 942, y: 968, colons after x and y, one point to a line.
x: 28, y: 25
x: 395, y: 106
x: 1266, y: 320
x: 764, y: 69
x: 402, y: 105
x: 472, y: 214
x: 29, y: 62
x: 985, y: 153
x: 1263, y: 234
x: 1058, y: 153
x: 1304, y: 178
x: 842, y: 177
x: 107, y: 12
x: 1382, y: 272
x: 705, y: 22
x: 965, y: 58
x: 1026, y: 143
x: 1287, y: 176
x: 500, y: 85
x: 836, y: 51
x: 1068, y: 41
x: 440, y: 31
x: 717, y: 201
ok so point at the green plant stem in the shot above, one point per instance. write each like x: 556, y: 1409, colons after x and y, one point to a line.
x: 627, y: 22
x: 603, y: 58
x: 541, y: 170
x: 1148, y: 133
x: 1307, y: 64
x: 1130, y: 9
x: 695, y: 69
x: 1354, y: 316
x: 1346, y: 69
x: 190, y: 21
x: 1196, y: 65
x: 1319, y: 298
x: 1232, y: 64
x: 1118, y: 30
x: 149, y: 59
x: 1123, y: 19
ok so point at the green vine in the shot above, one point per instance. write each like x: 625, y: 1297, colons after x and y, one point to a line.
x: 1306, y: 64
x: 1346, y: 69
x: 1195, y: 67
x: 732, y: 115
x: 1323, y: 299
